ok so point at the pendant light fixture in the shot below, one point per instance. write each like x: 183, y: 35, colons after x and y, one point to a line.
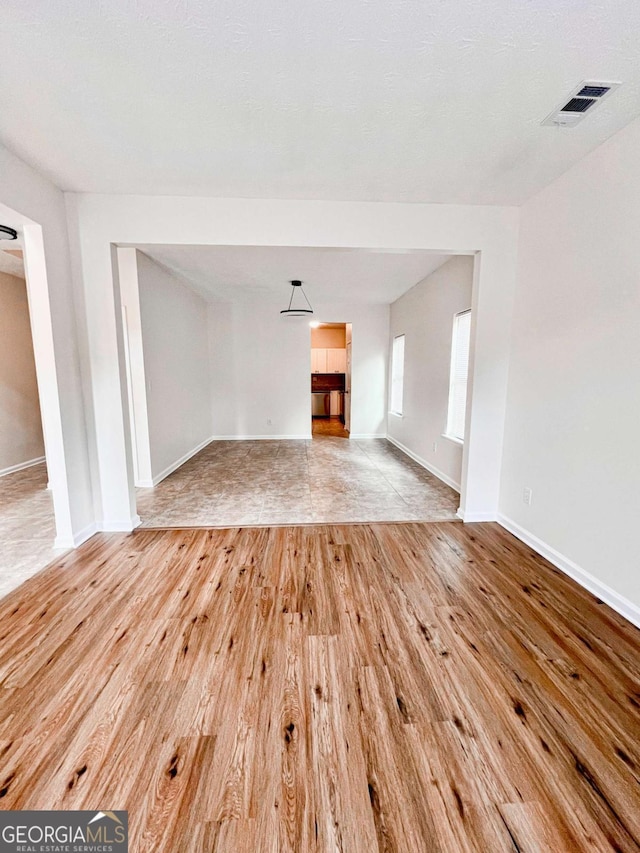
x: 7, y: 233
x: 298, y: 309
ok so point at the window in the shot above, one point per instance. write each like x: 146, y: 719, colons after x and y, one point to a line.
x: 458, y: 375
x: 397, y: 374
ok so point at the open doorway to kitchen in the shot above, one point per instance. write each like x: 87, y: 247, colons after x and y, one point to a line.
x: 330, y: 379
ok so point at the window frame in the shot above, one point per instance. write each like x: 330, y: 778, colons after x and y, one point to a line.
x: 398, y: 412
x: 454, y: 380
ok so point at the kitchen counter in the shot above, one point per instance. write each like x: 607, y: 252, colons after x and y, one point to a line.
x: 323, y: 383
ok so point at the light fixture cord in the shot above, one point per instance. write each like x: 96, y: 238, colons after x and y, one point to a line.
x: 305, y: 297
x: 293, y: 290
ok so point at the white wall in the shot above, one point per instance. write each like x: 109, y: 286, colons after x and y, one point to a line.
x: 369, y: 365
x: 261, y: 368
x: 21, y: 438
x: 30, y: 202
x: 573, y: 413
x: 425, y: 316
x: 176, y: 366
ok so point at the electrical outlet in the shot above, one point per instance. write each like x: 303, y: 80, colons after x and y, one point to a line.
x: 527, y: 494
x: 435, y: 446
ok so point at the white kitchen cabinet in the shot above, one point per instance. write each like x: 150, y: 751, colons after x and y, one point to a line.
x: 318, y: 361
x: 336, y: 360
x: 335, y: 407
x: 328, y: 360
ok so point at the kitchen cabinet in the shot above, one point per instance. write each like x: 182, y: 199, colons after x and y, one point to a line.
x: 336, y: 360
x: 318, y: 361
x: 328, y: 360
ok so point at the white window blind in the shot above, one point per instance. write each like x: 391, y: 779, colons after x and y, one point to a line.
x: 459, y: 372
x: 397, y: 374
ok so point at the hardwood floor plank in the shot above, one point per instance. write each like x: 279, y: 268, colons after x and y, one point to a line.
x: 389, y: 687
x: 295, y: 797
x: 343, y: 818
x: 396, y: 788
x: 530, y: 830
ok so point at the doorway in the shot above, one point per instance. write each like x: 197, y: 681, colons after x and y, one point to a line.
x: 27, y: 518
x: 330, y: 379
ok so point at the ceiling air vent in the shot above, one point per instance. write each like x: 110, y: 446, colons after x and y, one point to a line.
x: 585, y: 96
x: 593, y: 91
x: 578, y: 105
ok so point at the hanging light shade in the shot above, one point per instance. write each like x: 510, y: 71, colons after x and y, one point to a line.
x: 7, y: 233
x: 297, y: 307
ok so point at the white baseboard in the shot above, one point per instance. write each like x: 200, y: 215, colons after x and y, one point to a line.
x: 77, y: 538
x: 475, y: 517
x: 301, y: 437
x: 125, y: 526
x: 364, y: 435
x: 430, y: 468
x: 21, y: 466
x: 158, y: 478
x: 617, y: 602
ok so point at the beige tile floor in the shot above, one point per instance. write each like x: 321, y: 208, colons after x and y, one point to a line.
x: 325, y: 480
x: 27, y: 526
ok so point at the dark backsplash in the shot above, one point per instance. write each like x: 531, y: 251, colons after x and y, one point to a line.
x: 327, y: 382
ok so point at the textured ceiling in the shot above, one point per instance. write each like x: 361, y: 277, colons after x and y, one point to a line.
x: 389, y: 100
x: 243, y: 273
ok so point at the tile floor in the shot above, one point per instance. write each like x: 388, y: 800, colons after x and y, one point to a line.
x: 325, y: 480
x: 27, y: 526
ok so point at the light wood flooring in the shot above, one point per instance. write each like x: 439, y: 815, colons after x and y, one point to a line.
x: 328, y: 426
x: 390, y: 687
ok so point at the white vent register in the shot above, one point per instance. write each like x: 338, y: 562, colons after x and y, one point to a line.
x: 582, y: 100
